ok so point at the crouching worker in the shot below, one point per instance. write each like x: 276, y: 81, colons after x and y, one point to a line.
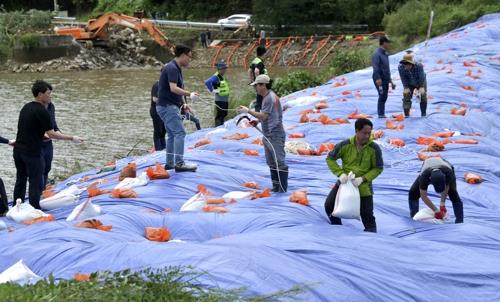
x: 441, y: 174
x: 271, y: 117
x: 363, y: 157
x: 413, y: 78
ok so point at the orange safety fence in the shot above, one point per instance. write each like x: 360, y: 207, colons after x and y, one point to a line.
x: 216, y: 54
x: 233, y: 51
x: 249, y: 53
x: 322, y: 44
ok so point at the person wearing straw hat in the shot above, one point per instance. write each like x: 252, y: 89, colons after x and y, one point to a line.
x: 413, y: 77
x: 218, y: 86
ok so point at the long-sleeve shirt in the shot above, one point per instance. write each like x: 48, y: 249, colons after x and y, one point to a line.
x: 415, y: 77
x: 380, y: 64
x: 3, y: 140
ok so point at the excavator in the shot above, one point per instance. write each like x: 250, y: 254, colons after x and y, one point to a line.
x: 97, y: 29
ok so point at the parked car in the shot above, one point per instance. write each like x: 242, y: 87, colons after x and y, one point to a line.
x: 235, y: 20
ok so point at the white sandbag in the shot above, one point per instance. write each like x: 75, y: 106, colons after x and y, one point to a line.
x: 19, y: 273
x: 132, y: 182
x: 84, y: 210
x: 293, y: 146
x: 427, y: 215
x: 58, y: 201
x: 238, y: 195
x: 23, y: 211
x: 3, y: 225
x: 216, y: 131
x: 194, y: 204
x: 305, y: 100
x: 347, y: 201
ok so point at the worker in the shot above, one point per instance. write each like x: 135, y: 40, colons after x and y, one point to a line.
x: 219, y: 87
x: 271, y: 117
x: 34, y: 122
x: 4, y: 202
x: 159, y: 131
x: 257, y: 68
x: 188, y: 115
x: 170, y: 100
x: 209, y: 36
x: 362, y: 156
x: 203, y: 39
x: 413, y: 78
x: 382, y: 74
x: 441, y: 174
x: 47, y: 146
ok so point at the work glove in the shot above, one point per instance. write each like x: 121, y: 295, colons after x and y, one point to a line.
x: 242, y: 109
x: 215, y: 91
x: 77, y: 140
x: 195, y: 97
x: 406, y: 91
x: 357, y: 181
x: 421, y: 90
x: 343, y: 178
x: 439, y: 215
x: 12, y: 142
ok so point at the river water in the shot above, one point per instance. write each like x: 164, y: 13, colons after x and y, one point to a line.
x: 109, y: 109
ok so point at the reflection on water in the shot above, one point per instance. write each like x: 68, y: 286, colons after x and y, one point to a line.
x: 110, y: 109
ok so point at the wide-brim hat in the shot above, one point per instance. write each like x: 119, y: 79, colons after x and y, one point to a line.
x: 407, y: 58
x: 261, y: 79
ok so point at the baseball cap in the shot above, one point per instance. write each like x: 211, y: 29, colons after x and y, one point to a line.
x: 261, y: 79
x: 438, y: 180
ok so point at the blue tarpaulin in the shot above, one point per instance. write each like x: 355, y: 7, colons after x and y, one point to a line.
x: 270, y: 244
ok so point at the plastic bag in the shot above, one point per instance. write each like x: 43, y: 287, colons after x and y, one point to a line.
x: 94, y: 224
x: 202, y: 142
x: 39, y: 219
x: 237, y: 195
x: 296, y: 135
x: 3, y: 225
x: 214, y: 209
x: 250, y: 152
x: 427, y: 215
x: 19, y: 273
x: 347, y: 201
x: 472, y: 178
x: 123, y: 193
x: 23, y: 211
x: 94, y: 191
x: 299, y: 197
x: 265, y: 193
x: 129, y: 182
x: 236, y: 136
x: 194, y: 204
x: 84, y: 211
x: 397, y: 142
x: 157, y: 234
x: 64, y: 198
x: 251, y: 185
x: 158, y: 172
x: 129, y: 170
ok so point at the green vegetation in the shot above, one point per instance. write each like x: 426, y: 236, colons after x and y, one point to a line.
x: 348, y: 60
x: 30, y: 40
x: 169, y: 284
x: 296, y: 81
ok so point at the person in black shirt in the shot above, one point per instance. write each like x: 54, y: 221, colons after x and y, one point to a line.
x: 34, y: 122
x: 4, y: 202
x: 441, y: 174
x: 159, y: 131
x: 48, y: 147
x: 257, y: 68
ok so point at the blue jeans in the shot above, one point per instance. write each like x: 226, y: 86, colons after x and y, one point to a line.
x: 382, y: 97
x: 171, y: 117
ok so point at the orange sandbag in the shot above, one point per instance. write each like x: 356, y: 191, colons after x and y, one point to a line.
x: 356, y: 115
x: 49, y: 192
x: 435, y: 147
x: 346, y: 92
x: 296, y: 135
x: 214, y: 209
x: 325, y: 120
x: 321, y: 105
x: 299, y: 197
x: 123, y: 193
x: 466, y: 87
x: 251, y: 152
x: 236, y: 136
x: 129, y: 170
x: 472, y: 178
x: 257, y: 141
x: 81, y: 277
x: 265, y: 193
x: 219, y: 152
x: 307, y: 152
x: 94, y: 224
x: 203, y: 190
x: 202, y: 142
x: 398, y: 117
x: 458, y: 111
x: 157, y: 234
x: 251, y: 185
x: 94, y: 191
x: 423, y: 140
x: 378, y: 134
x: 397, y: 142
x: 464, y: 141
x: 215, y: 200
x: 390, y: 125
x: 423, y: 156
x: 444, y: 134
x: 341, y: 121
x: 327, y: 147
x: 39, y: 219
x: 158, y: 172
x: 304, y: 118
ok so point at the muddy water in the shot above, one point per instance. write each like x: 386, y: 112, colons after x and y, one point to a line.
x: 110, y: 109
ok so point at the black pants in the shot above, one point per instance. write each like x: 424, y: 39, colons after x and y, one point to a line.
x: 4, y: 202
x: 382, y: 97
x: 48, y: 155
x: 204, y: 43
x: 191, y: 117
x: 220, y: 114
x: 159, y: 131
x: 258, y: 102
x: 458, y: 208
x: 28, y: 167
x: 366, y: 210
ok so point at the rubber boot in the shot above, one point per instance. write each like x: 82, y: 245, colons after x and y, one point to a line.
x: 407, y: 112
x: 283, y: 177
x: 274, y: 180
x: 423, y: 108
x: 458, y: 209
x: 413, y: 204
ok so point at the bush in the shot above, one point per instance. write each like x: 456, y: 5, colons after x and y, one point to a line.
x: 345, y: 61
x: 296, y: 81
x: 30, y: 40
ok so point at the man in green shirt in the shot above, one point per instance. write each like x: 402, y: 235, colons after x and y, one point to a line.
x: 363, y: 157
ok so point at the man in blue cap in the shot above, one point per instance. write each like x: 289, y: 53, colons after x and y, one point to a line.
x: 219, y: 87
x: 382, y: 74
x: 441, y: 174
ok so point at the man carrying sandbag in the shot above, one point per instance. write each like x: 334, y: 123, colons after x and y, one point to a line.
x: 363, y: 157
x: 441, y: 174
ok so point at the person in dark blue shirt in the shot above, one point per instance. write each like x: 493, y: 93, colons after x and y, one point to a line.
x: 382, y: 74
x: 48, y: 147
x: 413, y: 77
x: 159, y: 131
x: 170, y: 100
